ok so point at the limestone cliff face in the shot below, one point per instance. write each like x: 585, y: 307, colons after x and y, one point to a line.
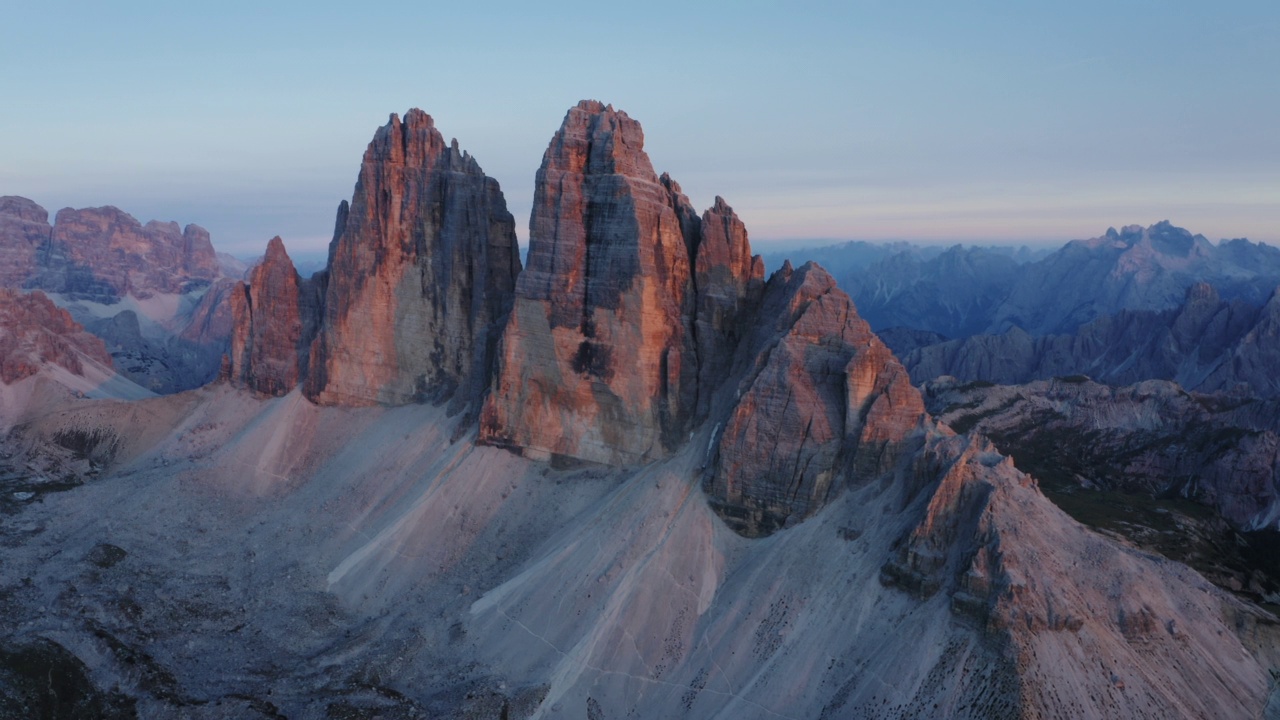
x: 421, y: 273
x: 268, y: 343
x: 598, y: 359
x: 24, y: 230
x: 34, y: 333
x: 99, y: 254
x: 102, y: 254
x: 822, y: 401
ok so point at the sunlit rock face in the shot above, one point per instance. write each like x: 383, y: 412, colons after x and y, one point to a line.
x: 601, y: 359
x: 822, y: 400
x: 598, y: 359
x: 421, y: 273
x: 34, y: 333
x: 103, y: 254
x: 274, y: 325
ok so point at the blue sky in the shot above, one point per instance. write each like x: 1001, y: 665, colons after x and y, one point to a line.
x: 980, y: 121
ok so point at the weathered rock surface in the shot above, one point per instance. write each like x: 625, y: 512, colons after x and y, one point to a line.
x: 24, y: 231
x: 1195, y: 477
x: 1047, y: 593
x: 103, y: 254
x: 729, y: 282
x: 1206, y: 344
x: 270, y: 346
x: 598, y: 359
x: 421, y: 272
x: 823, y: 402
x: 1152, y: 438
x: 34, y: 331
x: 151, y: 292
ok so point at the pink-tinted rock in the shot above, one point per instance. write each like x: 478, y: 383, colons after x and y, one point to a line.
x: 24, y: 232
x: 267, y: 340
x: 35, y: 332
x: 822, y: 402
x: 102, y: 254
x: 598, y: 360
x: 211, y: 322
x: 421, y: 273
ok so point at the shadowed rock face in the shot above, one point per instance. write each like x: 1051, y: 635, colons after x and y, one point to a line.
x: 268, y: 346
x: 730, y: 282
x: 421, y: 273
x: 34, y: 331
x: 822, y: 399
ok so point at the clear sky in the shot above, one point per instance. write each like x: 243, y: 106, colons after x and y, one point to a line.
x: 970, y: 121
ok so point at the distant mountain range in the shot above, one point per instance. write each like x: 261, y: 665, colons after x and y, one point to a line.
x: 961, y: 291
x: 155, y: 293
x: 1205, y: 343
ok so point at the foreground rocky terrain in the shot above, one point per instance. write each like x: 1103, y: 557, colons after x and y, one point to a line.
x: 663, y: 486
x: 1192, y: 476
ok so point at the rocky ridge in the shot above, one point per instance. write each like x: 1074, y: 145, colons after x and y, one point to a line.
x: 965, y: 291
x: 103, y: 254
x: 821, y: 401
x: 34, y: 333
x: 1206, y: 344
x: 1193, y: 476
x: 154, y: 293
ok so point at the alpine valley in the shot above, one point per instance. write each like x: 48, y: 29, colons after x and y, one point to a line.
x: 636, y: 475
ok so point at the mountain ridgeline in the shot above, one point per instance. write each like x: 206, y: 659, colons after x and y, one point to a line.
x: 154, y: 293
x: 438, y: 484
x: 636, y: 322
x: 963, y: 291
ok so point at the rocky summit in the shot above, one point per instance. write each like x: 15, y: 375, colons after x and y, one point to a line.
x: 421, y: 272
x: 821, y: 401
x: 598, y: 360
x: 274, y: 326
x: 601, y: 359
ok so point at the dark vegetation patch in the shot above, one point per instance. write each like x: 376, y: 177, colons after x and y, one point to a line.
x: 105, y: 555
x: 1154, y: 517
x: 42, y: 679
